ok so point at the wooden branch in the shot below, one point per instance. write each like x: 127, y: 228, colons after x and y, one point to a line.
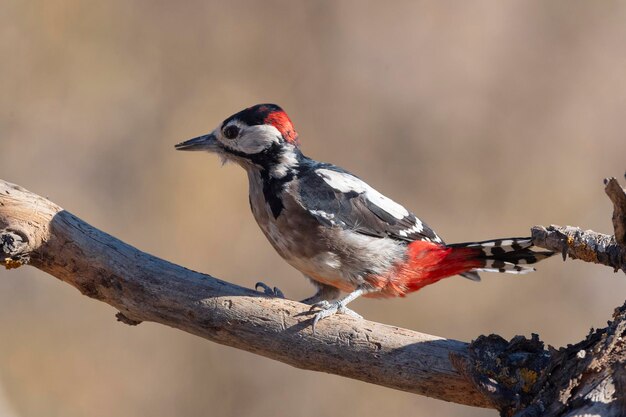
x: 142, y: 287
x: 585, y: 379
x: 522, y: 379
x: 519, y: 377
x: 588, y: 245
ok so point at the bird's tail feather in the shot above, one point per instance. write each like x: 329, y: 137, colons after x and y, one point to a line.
x: 428, y: 262
x: 508, y: 255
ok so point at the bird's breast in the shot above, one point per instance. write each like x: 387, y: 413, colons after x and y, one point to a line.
x: 285, y: 229
x: 329, y: 254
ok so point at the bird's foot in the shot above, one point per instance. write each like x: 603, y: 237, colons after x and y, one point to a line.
x: 267, y: 290
x: 329, y: 308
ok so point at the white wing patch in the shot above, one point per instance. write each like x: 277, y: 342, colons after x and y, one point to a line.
x: 346, y: 183
x: 324, y: 215
x: 418, y: 227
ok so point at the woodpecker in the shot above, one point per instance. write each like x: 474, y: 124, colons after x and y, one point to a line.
x: 337, y: 230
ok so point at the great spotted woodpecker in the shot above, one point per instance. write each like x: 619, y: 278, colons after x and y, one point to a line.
x: 337, y: 230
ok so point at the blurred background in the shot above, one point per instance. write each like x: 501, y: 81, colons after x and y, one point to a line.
x: 484, y: 117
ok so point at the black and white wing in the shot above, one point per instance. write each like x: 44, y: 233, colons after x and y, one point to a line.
x: 338, y: 198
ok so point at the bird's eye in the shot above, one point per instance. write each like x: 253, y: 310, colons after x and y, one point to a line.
x: 231, y: 132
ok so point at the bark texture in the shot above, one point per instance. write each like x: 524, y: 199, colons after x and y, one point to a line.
x: 518, y: 377
x: 587, y: 245
x: 37, y: 232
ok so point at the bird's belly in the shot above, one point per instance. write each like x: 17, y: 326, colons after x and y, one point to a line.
x: 305, y: 248
x: 334, y: 255
x: 302, y: 242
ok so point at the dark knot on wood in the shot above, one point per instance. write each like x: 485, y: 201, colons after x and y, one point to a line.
x: 507, y: 372
x: 13, y: 246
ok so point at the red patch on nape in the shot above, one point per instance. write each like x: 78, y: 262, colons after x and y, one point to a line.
x: 281, y: 121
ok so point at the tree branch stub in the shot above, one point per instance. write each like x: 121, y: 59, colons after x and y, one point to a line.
x: 618, y: 196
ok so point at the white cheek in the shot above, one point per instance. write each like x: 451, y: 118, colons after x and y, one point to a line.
x: 250, y: 144
x: 255, y: 139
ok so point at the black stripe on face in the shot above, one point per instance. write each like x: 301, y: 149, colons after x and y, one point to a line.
x: 265, y: 159
x: 273, y: 189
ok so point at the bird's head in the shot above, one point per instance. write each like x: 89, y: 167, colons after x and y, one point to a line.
x: 261, y: 135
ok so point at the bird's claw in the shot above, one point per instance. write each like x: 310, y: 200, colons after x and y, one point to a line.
x: 267, y: 290
x: 328, y: 308
x: 321, y: 305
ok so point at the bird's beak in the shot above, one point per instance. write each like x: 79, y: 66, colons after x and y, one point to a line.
x: 201, y: 143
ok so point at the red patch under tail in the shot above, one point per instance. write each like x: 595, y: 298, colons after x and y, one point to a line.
x: 427, y: 263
